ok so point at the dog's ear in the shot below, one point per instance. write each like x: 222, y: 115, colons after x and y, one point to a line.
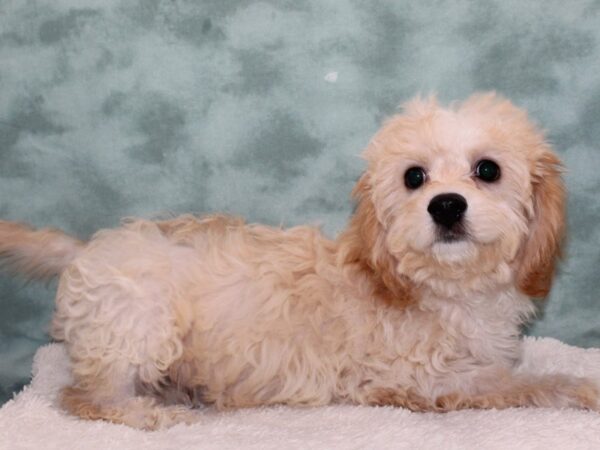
x: 363, y: 243
x: 542, y: 249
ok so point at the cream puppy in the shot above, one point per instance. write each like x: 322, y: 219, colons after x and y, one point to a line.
x: 417, y: 304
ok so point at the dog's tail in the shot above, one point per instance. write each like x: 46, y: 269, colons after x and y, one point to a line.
x: 37, y: 254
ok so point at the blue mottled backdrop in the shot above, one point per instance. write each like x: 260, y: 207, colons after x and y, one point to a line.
x: 111, y: 108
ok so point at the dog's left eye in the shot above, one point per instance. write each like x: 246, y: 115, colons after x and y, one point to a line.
x: 414, y: 177
x: 487, y: 171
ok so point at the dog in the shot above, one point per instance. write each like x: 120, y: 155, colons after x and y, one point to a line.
x: 418, y: 303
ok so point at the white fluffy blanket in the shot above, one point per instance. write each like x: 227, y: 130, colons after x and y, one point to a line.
x: 31, y: 420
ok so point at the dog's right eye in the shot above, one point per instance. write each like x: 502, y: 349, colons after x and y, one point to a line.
x: 414, y: 177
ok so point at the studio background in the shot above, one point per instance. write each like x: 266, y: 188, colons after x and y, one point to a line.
x: 115, y: 108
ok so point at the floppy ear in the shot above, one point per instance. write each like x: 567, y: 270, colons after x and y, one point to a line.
x: 363, y: 243
x: 542, y: 249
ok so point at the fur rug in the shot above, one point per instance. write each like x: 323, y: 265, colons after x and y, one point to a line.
x: 31, y: 420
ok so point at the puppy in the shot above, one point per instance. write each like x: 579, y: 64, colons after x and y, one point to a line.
x: 417, y: 304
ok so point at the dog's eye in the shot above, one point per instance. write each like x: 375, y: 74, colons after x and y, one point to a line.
x: 414, y: 177
x: 487, y: 171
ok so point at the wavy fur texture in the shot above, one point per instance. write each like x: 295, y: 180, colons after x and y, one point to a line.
x: 160, y: 315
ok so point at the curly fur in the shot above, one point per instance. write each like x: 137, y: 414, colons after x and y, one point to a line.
x: 160, y: 315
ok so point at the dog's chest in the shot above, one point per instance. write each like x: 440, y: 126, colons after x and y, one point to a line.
x: 442, y: 340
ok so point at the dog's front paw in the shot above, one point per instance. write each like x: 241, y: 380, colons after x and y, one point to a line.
x: 551, y: 391
x: 398, y: 397
x: 452, y: 402
x: 586, y: 394
x: 168, y: 416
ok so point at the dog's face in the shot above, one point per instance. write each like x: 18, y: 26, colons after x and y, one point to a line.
x: 465, y: 190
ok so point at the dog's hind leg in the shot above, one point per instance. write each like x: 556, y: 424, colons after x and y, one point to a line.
x: 107, y: 376
x: 120, y: 334
x: 105, y: 387
x: 115, y: 400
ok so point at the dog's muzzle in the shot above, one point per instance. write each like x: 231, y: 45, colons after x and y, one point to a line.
x: 447, y: 211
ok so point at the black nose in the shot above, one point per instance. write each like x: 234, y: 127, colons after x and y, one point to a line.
x: 447, y: 209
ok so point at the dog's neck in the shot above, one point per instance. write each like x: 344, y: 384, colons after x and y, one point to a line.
x: 459, y: 282
x: 481, y: 314
x: 402, y: 281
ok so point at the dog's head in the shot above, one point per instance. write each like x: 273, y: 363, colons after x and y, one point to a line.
x: 451, y: 193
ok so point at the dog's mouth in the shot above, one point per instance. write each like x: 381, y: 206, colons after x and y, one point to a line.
x: 456, y: 233
x: 454, y: 246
